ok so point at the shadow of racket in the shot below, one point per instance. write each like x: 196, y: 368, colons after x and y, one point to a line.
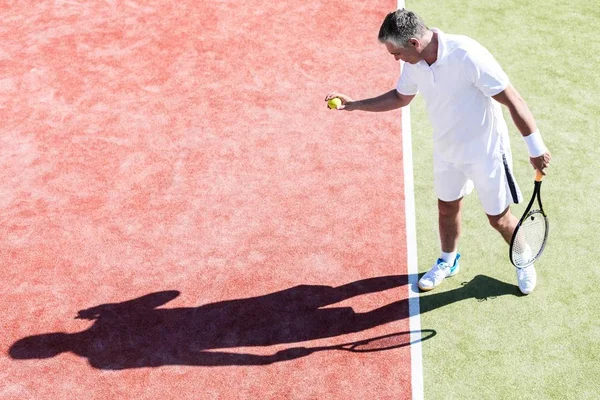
x: 385, y: 342
x: 375, y: 344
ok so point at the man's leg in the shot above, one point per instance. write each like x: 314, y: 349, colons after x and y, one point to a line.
x: 450, y: 183
x: 449, y: 222
x: 505, y: 223
x: 449, y: 219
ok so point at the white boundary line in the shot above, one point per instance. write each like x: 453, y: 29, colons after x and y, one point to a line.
x: 416, y: 357
x: 411, y: 259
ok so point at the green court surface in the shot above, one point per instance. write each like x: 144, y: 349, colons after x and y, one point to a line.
x: 491, y: 342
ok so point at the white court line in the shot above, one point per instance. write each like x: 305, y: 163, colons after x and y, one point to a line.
x: 416, y: 357
x: 411, y: 259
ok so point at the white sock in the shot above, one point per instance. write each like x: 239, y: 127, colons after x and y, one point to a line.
x: 449, y: 257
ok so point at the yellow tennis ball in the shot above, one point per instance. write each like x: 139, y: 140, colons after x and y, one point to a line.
x: 334, y: 103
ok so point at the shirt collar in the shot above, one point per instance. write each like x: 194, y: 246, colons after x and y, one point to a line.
x: 442, y: 51
x: 442, y: 46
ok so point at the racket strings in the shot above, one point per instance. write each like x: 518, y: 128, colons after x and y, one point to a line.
x: 530, y: 239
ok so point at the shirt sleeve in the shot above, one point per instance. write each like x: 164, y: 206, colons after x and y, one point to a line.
x: 484, y: 72
x: 406, y: 84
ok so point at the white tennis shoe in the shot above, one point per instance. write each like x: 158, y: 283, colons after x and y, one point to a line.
x: 440, y: 271
x: 527, y: 279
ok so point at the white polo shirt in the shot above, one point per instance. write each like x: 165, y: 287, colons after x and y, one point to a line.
x: 468, y: 125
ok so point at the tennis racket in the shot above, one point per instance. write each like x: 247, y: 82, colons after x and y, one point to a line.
x: 530, y: 235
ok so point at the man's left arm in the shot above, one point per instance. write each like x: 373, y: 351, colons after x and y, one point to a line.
x: 525, y: 123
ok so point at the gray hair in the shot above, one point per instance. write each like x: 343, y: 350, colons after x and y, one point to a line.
x: 401, y: 25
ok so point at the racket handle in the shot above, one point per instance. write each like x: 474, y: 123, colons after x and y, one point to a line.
x: 538, y: 176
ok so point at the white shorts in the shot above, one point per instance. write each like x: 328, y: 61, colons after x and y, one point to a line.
x: 493, y: 180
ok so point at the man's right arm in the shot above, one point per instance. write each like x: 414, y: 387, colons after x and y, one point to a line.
x: 386, y: 102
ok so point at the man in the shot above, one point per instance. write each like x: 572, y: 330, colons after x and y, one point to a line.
x: 463, y: 86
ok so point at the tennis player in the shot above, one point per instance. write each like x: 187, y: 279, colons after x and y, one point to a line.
x: 464, y: 87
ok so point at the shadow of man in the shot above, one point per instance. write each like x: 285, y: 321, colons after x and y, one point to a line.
x: 136, y: 333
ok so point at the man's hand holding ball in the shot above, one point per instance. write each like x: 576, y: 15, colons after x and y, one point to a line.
x: 338, y: 101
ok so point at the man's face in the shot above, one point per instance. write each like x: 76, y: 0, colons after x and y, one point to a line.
x: 410, y: 54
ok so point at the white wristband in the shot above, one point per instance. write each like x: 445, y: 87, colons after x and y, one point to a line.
x: 535, y: 144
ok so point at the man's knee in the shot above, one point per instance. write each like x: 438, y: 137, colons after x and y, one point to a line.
x: 502, y: 221
x: 449, y: 208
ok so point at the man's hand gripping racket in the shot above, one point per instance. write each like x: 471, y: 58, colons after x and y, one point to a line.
x: 530, y: 235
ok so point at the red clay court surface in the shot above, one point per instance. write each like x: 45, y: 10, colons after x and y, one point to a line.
x: 171, y: 176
